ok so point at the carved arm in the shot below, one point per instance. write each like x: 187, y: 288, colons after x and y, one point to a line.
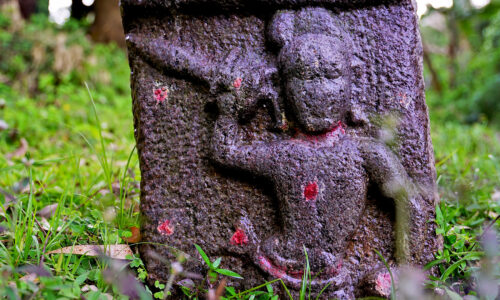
x: 385, y: 169
x: 227, y: 147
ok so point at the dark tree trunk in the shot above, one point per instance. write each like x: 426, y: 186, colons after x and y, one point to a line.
x: 435, y: 80
x: 27, y: 7
x: 79, y: 10
x: 107, y: 26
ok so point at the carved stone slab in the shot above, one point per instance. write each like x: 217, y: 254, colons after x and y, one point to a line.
x: 268, y: 127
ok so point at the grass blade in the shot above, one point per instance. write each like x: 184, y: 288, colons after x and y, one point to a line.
x: 204, y: 256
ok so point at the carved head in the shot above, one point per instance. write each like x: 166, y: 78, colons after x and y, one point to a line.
x: 314, y: 60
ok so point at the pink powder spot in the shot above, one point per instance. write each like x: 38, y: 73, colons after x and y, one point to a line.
x: 237, y: 83
x: 165, y: 228
x: 337, y: 128
x: 383, y: 284
x: 269, y: 267
x: 160, y: 94
x: 239, y: 238
x: 311, y: 191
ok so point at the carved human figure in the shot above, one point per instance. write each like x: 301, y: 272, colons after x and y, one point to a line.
x: 321, y: 175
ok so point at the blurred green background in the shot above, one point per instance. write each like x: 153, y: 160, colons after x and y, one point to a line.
x: 56, y: 147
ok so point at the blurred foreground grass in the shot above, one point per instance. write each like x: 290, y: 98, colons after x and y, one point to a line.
x: 55, y: 151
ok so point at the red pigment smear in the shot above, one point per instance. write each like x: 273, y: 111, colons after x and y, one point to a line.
x: 330, y: 136
x: 269, y: 267
x: 239, y: 238
x: 161, y: 94
x: 297, y: 274
x: 165, y: 228
x: 383, y: 284
x: 311, y: 191
x: 237, y: 83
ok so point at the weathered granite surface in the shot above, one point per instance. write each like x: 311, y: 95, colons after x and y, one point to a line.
x: 266, y: 126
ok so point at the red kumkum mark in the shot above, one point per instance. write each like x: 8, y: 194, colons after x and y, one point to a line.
x: 239, y: 238
x: 336, y: 130
x: 237, y: 83
x: 160, y: 94
x: 311, y: 191
x: 165, y: 228
x: 268, y: 266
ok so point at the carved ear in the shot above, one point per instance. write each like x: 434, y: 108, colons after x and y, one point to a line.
x: 281, y: 28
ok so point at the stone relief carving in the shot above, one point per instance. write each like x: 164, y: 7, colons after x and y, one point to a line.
x: 321, y: 154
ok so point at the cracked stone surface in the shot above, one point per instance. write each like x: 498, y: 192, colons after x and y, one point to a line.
x: 268, y: 127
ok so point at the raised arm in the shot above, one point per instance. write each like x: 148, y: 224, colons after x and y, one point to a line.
x: 229, y: 150
x: 250, y: 76
x: 177, y: 60
x: 385, y: 169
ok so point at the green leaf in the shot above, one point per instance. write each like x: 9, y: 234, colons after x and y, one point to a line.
x: 433, y: 263
x: 302, y: 294
x: 228, y: 273
x: 323, y: 290
x: 269, y: 288
x: 439, y: 215
x: 159, y: 285
x: 212, y: 276
x: 231, y: 290
x: 216, y: 263
x: 453, y: 267
x: 81, y: 279
x: 204, y: 256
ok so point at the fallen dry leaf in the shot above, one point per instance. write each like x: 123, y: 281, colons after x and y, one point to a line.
x: 48, y: 211
x: 113, y: 251
x: 88, y: 288
x: 30, y: 277
x: 135, y: 238
x: 19, y: 152
x: 38, y: 270
x: 492, y: 215
x: 22, y: 186
x: 46, y: 225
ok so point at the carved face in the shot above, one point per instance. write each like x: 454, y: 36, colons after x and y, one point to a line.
x: 315, y: 70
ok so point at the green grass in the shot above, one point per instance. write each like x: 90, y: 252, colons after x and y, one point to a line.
x: 81, y: 157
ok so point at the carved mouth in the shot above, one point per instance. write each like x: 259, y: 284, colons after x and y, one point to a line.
x: 293, y: 277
